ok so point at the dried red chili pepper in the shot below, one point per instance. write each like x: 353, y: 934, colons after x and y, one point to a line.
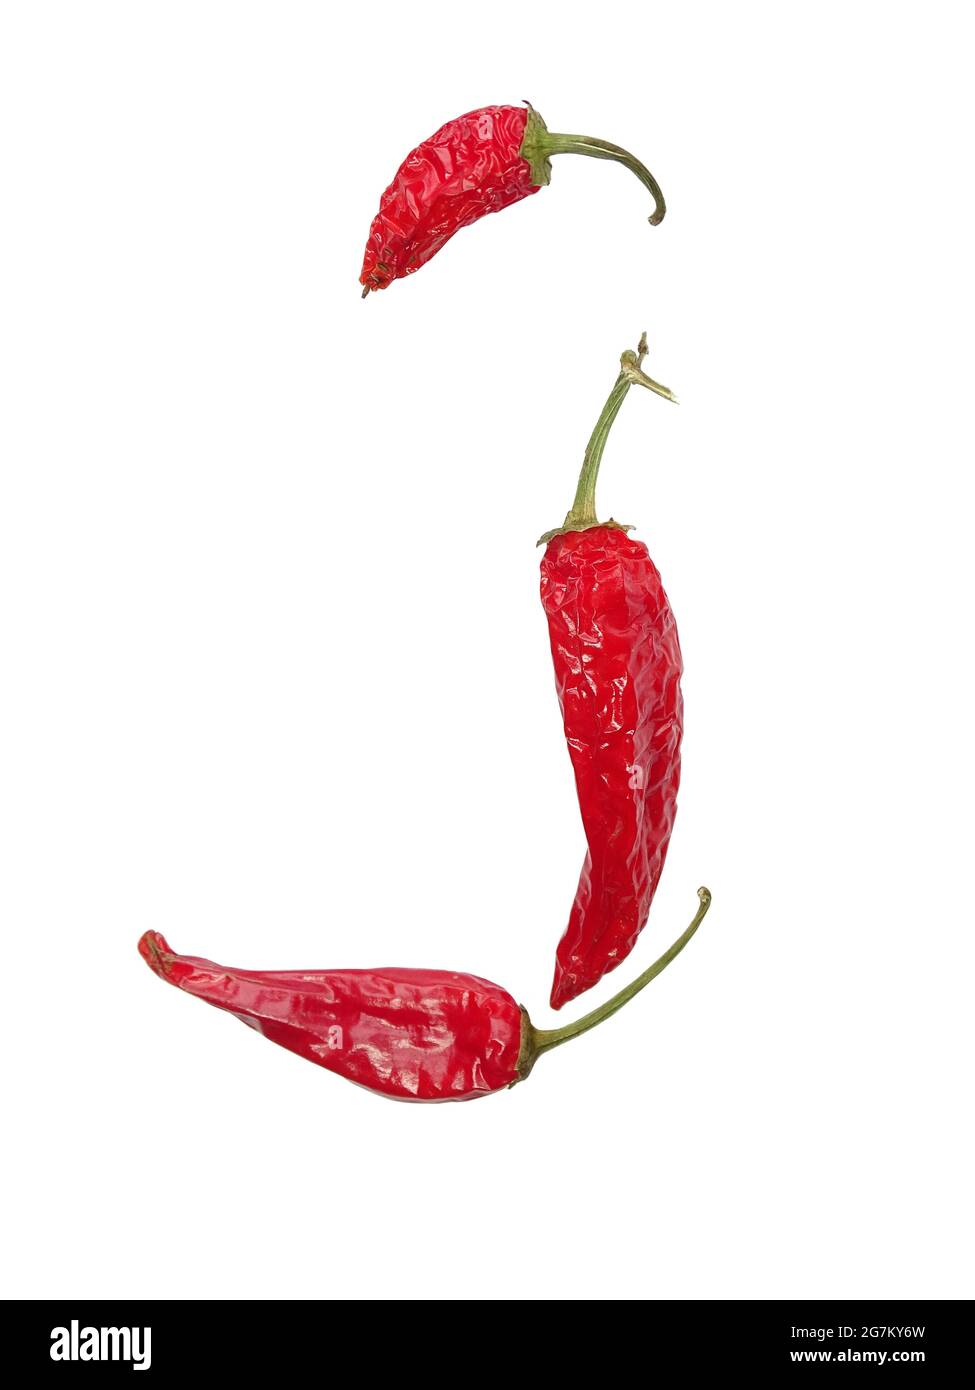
x: 617, y: 671
x: 478, y: 163
x: 427, y: 1035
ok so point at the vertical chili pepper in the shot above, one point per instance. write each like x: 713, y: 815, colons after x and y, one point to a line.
x: 617, y: 671
x: 422, y: 1035
x: 478, y: 163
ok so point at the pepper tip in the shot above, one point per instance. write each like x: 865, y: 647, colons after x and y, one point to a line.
x: 154, y: 950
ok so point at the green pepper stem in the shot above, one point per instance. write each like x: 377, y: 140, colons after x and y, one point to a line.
x: 535, y: 1041
x: 602, y: 149
x: 582, y: 514
x: 540, y: 143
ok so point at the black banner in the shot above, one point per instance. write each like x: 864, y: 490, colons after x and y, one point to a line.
x: 165, y: 1339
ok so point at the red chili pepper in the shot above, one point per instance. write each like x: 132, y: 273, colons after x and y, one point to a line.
x: 411, y: 1034
x: 617, y: 671
x: 478, y: 163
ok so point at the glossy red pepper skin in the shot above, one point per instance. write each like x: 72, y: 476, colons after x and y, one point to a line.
x: 423, y: 1035
x: 470, y: 167
x: 617, y: 670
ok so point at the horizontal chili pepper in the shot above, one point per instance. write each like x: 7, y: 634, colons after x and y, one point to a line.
x: 478, y: 163
x: 617, y: 671
x: 424, y: 1035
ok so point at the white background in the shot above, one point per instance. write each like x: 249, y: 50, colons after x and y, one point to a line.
x: 276, y: 679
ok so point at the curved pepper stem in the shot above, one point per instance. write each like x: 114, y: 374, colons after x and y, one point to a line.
x: 582, y: 514
x: 540, y: 143
x: 535, y: 1041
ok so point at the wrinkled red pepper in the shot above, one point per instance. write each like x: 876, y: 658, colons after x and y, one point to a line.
x: 425, y: 1035
x: 617, y: 672
x: 478, y: 163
